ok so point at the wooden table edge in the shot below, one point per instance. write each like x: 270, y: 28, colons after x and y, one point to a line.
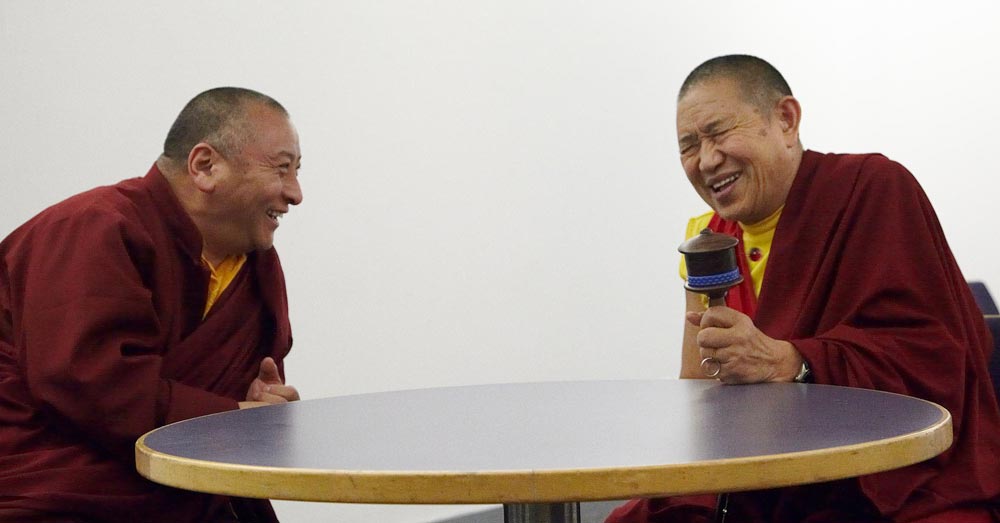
x: 521, y: 486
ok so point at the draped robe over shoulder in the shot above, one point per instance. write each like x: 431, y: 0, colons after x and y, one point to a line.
x: 863, y: 283
x: 102, y: 339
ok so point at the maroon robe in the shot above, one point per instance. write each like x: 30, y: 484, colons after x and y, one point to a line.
x: 741, y: 297
x: 102, y: 339
x: 862, y: 282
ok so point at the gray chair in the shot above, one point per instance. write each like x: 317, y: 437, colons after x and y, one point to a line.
x: 983, y: 298
x: 989, y: 307
x: 993, y: 320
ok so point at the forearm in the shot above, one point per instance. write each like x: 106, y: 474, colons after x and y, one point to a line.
x: 690, y: 355
x: 114, y: 402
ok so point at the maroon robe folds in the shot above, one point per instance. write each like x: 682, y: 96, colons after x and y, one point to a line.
x: 742, y: 296
x: 862, y: 282
x: 102, y: 339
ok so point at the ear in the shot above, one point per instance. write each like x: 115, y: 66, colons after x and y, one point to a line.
x: 201, y: 164
x: 789, y: 115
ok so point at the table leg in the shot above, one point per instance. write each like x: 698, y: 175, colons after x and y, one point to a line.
x: 721, y: 508
x: 541, y: 513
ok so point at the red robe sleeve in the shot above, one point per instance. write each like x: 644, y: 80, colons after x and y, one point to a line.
x: 863, y: 283
x: 92, y: 336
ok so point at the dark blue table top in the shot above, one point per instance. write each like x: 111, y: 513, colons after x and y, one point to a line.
x: 610, y: 430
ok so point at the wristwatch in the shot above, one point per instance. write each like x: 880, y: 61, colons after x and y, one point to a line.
x: 804, y: 373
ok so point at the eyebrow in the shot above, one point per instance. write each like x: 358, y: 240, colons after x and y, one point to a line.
x: 686, y: 140
x: 709, y: 129
x: 284, y: 154
x: 712, y: 127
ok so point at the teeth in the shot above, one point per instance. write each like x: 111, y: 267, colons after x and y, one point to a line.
x: 723, y: 183
x: 275, y: 214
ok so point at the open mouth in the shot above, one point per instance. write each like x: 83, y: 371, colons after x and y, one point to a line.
x: 722, y: 184
x: 275, y: 216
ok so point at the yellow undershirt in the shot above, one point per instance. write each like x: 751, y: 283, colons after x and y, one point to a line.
x: 220, y: 277
x: 756, y: 236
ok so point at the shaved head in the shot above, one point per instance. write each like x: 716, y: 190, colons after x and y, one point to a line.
x: 217, y: 117
x: 760, y: 83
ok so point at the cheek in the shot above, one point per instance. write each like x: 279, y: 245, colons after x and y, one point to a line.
x: 263, y: 193
x: 275, y: 190
x: 690, y: 166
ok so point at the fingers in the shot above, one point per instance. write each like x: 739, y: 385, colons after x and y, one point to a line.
x: 720, y: 317
x: 714, y: 339
x: 255, y: 390
x: 725, y: 370
x: 746, y: 357
x: 712, y: 317
x: 267, y: 387
x: 268, y: 393
x: 722, y: 340
x: 709, y: 353
x: 279, y: 394
x: 722, y: 327
x: 719, y: 337
x: 269, y: 371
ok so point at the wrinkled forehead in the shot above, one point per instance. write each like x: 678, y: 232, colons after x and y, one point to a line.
x: 709, y: 102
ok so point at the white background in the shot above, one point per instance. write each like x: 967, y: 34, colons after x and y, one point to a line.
x: 492, y: 188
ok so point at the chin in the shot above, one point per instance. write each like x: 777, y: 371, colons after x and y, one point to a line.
x: 730, y: 215
x: 264, y: 242
x: 722, y: 210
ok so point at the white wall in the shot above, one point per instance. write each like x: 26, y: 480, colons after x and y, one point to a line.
x: 492, y: 189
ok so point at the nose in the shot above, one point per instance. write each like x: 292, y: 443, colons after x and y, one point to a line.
x: 292, y: 190
x: 709, y: 156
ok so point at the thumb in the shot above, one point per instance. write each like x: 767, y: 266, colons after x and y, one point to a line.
x: 269, y: 371
x: 694, y: 318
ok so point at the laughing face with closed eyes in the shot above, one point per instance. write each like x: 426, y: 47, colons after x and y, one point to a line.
x: 256, y: 188
x: 740, y: 158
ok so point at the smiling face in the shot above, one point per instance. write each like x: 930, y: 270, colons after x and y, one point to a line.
x: 254, y: 188
x: 739, y: 158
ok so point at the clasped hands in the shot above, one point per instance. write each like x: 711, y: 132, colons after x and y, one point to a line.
x: 743, y: 353
x: 267, y: 388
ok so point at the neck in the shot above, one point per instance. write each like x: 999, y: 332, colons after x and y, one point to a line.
x: 212, y: 258
x: 787, y: 179
x: 191, y: 199
x: 778, y: 191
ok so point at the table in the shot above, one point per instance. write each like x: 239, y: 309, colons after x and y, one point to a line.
x: 540, y: 448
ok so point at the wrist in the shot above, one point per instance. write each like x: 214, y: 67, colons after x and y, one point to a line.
x: 794, y: 367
